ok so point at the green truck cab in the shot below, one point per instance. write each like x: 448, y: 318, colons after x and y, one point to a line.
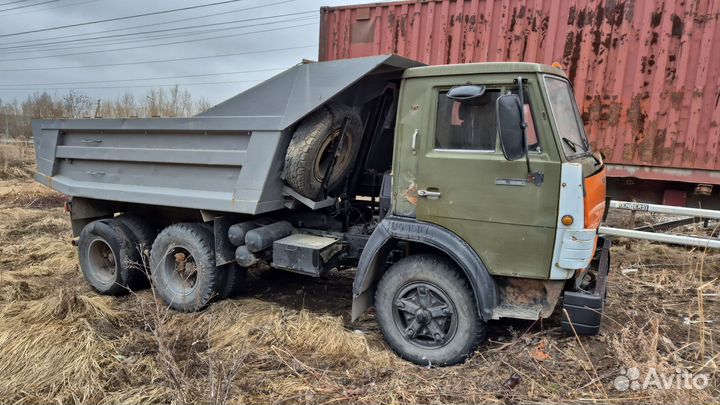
x: 521, y: 223
x: 462, y: 194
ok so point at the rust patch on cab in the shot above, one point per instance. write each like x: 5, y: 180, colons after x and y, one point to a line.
x: 519, y: 296
x: 411, y: 194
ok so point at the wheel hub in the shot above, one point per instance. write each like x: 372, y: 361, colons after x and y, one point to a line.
x: 425, y: 314
x: 325, y: 154
x: 102, y: 260
x: 181, y: 270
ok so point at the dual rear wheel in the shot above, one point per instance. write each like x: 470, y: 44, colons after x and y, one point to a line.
x: 119, y: 255
x: 109, y: 259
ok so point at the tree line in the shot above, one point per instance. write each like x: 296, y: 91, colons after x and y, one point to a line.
x: 16, y: 116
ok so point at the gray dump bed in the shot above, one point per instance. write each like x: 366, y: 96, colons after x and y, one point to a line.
x: 228, y: 158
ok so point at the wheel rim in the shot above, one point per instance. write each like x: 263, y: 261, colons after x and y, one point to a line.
x: 102, y: 259
x: 180, y: 270
x: 324, y: 156
x: 425, y: 315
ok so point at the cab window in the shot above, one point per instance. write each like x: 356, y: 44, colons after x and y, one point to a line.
x: 567, y: 117
x: 466, y: 126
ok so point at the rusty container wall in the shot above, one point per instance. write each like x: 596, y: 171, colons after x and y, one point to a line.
x: 646, y: 73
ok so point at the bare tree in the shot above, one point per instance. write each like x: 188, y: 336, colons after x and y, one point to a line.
x: 76, y: 105
x: 42, y: 105
x: 15, y: 117
x: 202, y: 105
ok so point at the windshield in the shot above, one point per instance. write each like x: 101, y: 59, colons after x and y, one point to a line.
x: 567, y: 117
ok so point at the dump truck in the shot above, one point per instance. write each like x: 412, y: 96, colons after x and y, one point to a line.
x: 461, y: 194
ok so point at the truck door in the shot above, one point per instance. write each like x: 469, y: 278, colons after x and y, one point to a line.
x: 465, y: 184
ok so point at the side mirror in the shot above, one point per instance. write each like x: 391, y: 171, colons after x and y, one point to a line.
x: 510, y: 125
x: 466, y: 93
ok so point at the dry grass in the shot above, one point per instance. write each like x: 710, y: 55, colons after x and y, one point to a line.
x: 16, y: 161
x: 61, y: 343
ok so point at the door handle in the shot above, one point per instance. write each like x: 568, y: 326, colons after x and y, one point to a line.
x: 431, y: 195
x: 414, y: 141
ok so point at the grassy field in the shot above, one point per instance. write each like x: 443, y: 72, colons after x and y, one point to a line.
x: 289, y: 338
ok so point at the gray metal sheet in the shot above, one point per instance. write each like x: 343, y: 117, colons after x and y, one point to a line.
x: 299, y: 90
x: 227, y: 159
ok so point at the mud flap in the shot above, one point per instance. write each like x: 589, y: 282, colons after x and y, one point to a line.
x: 585, y: 308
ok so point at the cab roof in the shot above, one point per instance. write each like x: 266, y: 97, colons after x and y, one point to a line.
x: 482, y: 67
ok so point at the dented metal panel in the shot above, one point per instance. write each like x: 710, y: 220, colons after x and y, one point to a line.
x: 646, y: 72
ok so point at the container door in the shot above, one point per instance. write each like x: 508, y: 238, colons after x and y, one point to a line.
x: 465, y: 185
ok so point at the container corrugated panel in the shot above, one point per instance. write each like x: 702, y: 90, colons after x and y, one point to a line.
x: 646, y: 73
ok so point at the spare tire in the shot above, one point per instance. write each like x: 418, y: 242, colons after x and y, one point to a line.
x: 312, y: 145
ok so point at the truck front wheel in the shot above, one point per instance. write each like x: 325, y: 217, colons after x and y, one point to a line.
x: 182, y: 267
x: 426, y: 311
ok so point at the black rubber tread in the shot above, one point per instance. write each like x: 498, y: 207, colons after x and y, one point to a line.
x: 199, y: 241
x: 144, y: 235
x: 443, y: 273
x: 234, y: 279
x: 119, y: 238
x: 307, y: 141
x: 141, y: 229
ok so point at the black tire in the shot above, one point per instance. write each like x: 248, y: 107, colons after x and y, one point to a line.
x: 182, y: 266
x: 310, y: 149
x: 144, y: 235
x: 108, y: 259
x: 234, y: 279
x: 232, y: 275
x: 437, y: 337
x: 143, y: 232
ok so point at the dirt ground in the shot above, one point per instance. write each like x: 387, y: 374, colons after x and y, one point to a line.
x: 289, y: 338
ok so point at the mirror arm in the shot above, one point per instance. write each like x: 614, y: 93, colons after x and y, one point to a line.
x: 534, y: 177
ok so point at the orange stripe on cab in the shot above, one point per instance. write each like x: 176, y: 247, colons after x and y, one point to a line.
x: 595, y: 187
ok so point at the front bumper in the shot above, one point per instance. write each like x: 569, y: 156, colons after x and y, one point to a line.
x: 582, y: 310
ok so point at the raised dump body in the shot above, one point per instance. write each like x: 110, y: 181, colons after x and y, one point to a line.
x: 228, y: 158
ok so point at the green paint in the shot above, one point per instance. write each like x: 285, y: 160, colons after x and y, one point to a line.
x: 512, y: 228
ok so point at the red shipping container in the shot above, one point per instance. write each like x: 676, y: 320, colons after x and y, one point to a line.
x: 646, y: 72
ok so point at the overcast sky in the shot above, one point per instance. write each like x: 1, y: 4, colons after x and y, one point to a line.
x: 60, y: 59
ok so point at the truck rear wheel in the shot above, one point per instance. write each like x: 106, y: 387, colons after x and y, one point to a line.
x: 182, y: 266
x: 144, y: 235
x: 108, y: 258
x: 234, y: 278
x: 426, y: 311
x: 311, y: 149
